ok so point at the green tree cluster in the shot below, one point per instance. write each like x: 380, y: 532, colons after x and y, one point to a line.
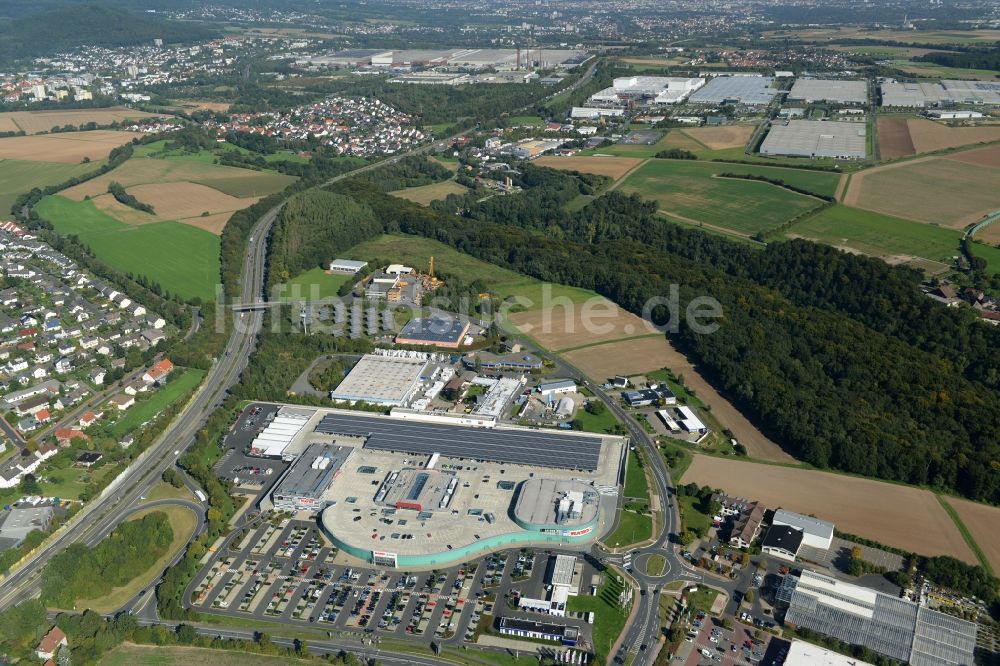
x: 79, y: 572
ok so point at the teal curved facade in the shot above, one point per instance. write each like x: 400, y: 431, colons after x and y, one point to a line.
x: 467, y: 552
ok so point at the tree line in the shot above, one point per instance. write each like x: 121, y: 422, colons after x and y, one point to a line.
x: 116, y: 190
x: 838, y: 357
x: 779, y: 182
x: 313, y: 227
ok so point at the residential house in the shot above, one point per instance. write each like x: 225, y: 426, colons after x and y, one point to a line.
x: 158, y: 372
x: 65, y: 436
x: 746, y: 527
x: 89, y: 419
x: 50, y: 643
x: 122, y: 401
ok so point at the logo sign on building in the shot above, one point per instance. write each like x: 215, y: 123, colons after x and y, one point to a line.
x: 578, y: 533
x: 384, y: 559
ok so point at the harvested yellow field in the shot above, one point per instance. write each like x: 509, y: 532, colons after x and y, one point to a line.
x: 626, y: 357
x: 612, y: 167
x: 424, y: 194
x: 602, y: 321
x: 7, y: 124
x: 575, y: 325
x: 176, y: 201
x: 928, y: 135
x: 142, y: 171
x: 66, y: 147
x: 721, y: 138
x: 213, y: 224
x: 108, y: 204
x: 990, y: 234
x: 34, y: 122
x: 900, y: 516
x: 983, y: 522
x: 219, y: 107
x: 938, y: 190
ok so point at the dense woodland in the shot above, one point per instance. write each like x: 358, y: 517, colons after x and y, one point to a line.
x: 838, y: 357
x: 408, y: 172
x: 90, y: 24
x: 971, y: 59
x: 313, y: 227
x: 79, y: 572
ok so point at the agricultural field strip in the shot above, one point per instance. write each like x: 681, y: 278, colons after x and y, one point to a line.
x: 901, y: 516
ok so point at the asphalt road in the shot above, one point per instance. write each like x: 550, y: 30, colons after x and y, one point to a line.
x: 122, y: 498
x: 97, y: 518
x: 644, y: 631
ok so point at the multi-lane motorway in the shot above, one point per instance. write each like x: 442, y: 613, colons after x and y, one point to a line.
x: 101, y: 515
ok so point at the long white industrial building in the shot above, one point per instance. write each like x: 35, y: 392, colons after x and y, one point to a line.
x: 272, y: 441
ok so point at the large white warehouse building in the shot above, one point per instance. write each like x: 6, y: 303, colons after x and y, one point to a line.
x: 655, y: 89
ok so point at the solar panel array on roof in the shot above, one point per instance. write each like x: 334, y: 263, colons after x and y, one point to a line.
x: 891, y: 626
x: 942, y: 640
x: 539, y: 448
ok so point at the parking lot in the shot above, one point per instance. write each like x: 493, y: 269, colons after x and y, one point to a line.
x: 285, y: 571
x: 709, y: 642
x: 250, y: 473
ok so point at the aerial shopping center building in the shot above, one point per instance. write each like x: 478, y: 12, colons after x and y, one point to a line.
x: 408, y: 493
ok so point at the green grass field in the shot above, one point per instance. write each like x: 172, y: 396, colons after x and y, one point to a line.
x: 184, y: 260
x: 416, y: 251
x: 262, y: 184
x: 609, y: 618
x: 602, y: 423
x: 69, y: 482
x: 702, y: 599
x: 19, y: 176
x: 691, y: 517
x: 878, y: 235
x: 656, y: 564
x: 424, y: 194
x: 635, y: 478
x: 146, y: 409
x: 691, y: 190
x: 990, y: 254
x: 173, y: 655
x: 314, y: 284
x: 632, y: 528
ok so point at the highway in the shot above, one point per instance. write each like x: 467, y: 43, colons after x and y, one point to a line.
x: 123, y: 497
x: 97, y: 518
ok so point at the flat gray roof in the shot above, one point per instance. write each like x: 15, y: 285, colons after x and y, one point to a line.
x: 307, y: 477
x: 931, y: 93
x: 22, y: 520
x: 752, y: 90
x: 383, y: 380
x: 817, y: 138
x: 540, y: 448
x: 436, y: 328
x: 538, y: 502
x: 808, y: 524
x: 842, y: 91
